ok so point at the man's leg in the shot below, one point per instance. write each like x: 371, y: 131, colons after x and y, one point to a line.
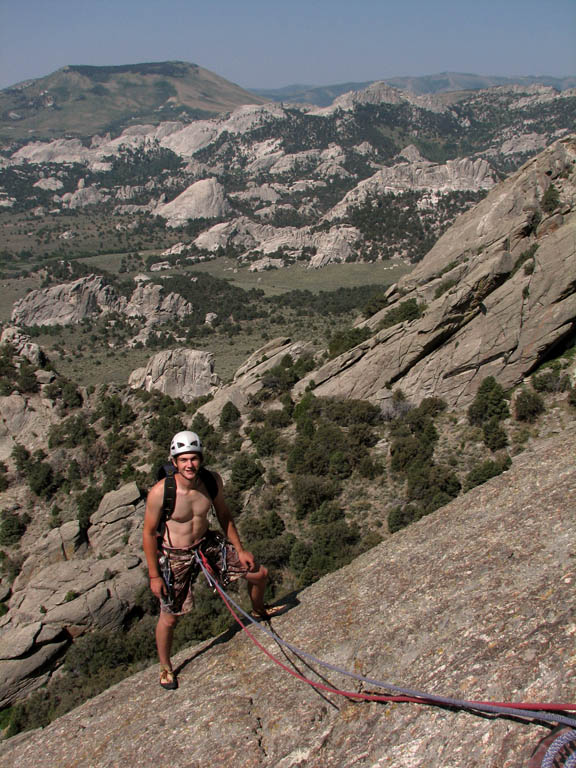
x: 256, y: 587
x: 164, y: 635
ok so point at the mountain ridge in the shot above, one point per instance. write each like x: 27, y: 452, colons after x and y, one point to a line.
x: 78, y: 100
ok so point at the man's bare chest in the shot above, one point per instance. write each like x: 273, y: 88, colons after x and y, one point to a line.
x: 190, y: 505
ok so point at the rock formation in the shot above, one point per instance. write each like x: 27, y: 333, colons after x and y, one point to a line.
x: 181, y: 372
x: 475, y: 601
x: 248, y: 378
x: 67, y: 303
x: 499, y: 291
x: 22, y: 345
x: 204, y: 199
x: 150, y: 302
x: 66, y: 587
x: 453, y: 176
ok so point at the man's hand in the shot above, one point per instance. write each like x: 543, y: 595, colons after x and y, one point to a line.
x: 247, y: 559
x: 158, y: 587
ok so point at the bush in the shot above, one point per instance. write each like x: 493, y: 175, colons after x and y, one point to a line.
x: 551, y: 380
x: 495, y: 436
x: 489, y: 403
x: 407, y: 310
x: 309, y: 491
x: 12, y: 528
x: 400, y: 517
x: 346, y: 339
x: 483, y: 472
x: 88, y: 503
x: 550, y: 199
x: 42, y: 479
x: 230, y: 416
x: 528, y: 406
x: 245, y: 472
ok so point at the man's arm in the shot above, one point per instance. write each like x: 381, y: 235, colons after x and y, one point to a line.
x: 229, y: 527
x: 152, y: 518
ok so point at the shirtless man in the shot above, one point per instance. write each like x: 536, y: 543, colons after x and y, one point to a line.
x: 185, y: 532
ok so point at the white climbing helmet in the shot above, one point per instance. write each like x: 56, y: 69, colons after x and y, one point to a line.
x: 185, y: 442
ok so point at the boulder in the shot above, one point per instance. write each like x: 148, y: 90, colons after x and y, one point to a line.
x: 204, y: 199
x: 22, y: 344
x: 180, y: 372
x: 67, y: 303
x: 150, y: 301
x: 25, y: 420
x: 118, y: 514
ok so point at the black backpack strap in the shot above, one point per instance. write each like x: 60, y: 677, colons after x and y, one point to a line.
x: 210, y: 482
x: 168, y: 503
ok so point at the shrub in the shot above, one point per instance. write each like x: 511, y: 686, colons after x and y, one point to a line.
x: 495, y: 436
x: 346, y: 339
x: 400, y: 517
x: 483, y: 472
x: 245, y: 471
x: 21, y: 456
x: 327, y: 512
x: 490, y: 402
x: 12, y: 528
x: 26, y: 380
x: 42, y: 479
x: 407, y: 310
x: 550, y: 199
x: 551, y: 380
x: 265, y: 441
x: 528, y: 405
x: 230, y: 416
x: 309, y: 491
x: 88, y: 503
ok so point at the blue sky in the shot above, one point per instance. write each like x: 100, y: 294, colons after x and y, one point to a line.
x: 269, y: 43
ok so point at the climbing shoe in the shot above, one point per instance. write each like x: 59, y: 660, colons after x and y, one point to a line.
x: 168, y: 679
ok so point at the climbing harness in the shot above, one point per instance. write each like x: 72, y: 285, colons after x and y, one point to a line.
x: 543, y: 712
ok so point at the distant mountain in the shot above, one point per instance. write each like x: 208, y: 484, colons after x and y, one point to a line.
x: 322, y: 96
x: 83, y: 100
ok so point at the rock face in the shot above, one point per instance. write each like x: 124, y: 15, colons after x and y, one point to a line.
x: 204, y: 199
x: 181, y: 372
x: 454, y: 176
x: 150, y: 302
x: 22, y: 345
x: 25, y: 419
x: 67, y: 303
x: 248, y: 378
x: 67, y: 587
x: 499, y: 290
x: 475, y: 601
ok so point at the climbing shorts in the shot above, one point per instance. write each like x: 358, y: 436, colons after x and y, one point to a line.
x: 179, y: 569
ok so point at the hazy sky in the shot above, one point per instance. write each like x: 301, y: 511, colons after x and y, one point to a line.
x: 270, y: 43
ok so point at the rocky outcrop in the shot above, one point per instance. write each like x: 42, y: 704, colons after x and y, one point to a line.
x: 499, y: 291
x: 204, y: 199
x: 474, y: 601
x: 26, y: 420
x: 22, y: 345
x: 248, y: 378
x: 67, y: 302
x: 181, y: 372
x: 459, y: 175
x: 150, y: 302
x: 68, y: 586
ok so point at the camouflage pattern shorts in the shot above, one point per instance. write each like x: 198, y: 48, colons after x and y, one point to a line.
x: 179, y: 569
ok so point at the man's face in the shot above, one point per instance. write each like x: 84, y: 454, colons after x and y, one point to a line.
x: 188, y: 464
